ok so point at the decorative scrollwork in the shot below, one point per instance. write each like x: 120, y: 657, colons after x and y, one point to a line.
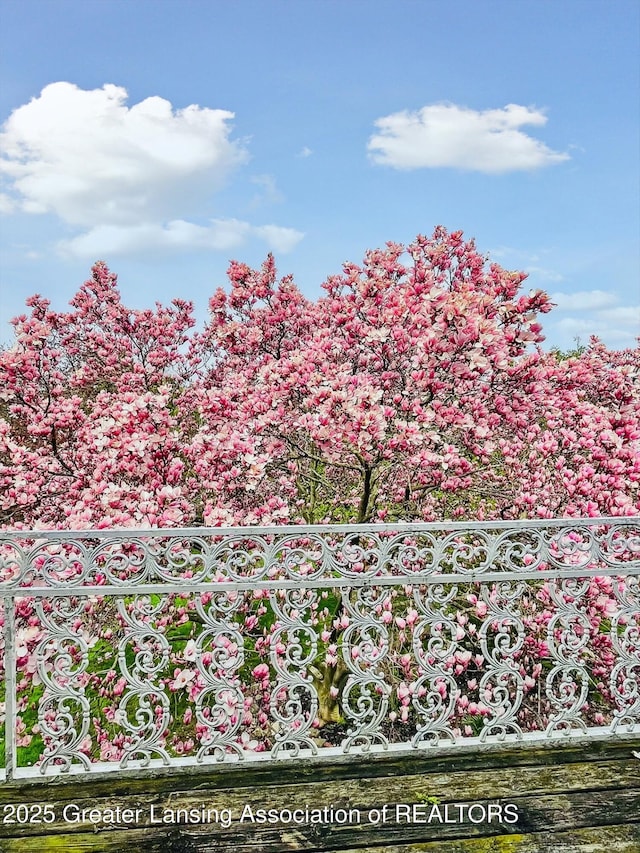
x: 241, y: 558
x: 501, y: 639
x: 219, y: 657
x: 625, y: 640
x: 434, y: 643
x: 568, y: 634
x: 143, y: 652
x: 215, y: 644
x: 293, y: 648
x: 124, y: 561
x: 64, y: 711
x: 365, y: 645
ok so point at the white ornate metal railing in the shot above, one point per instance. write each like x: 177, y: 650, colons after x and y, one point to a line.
x: 142, y: 648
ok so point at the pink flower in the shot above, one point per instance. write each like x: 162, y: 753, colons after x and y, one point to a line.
x: 190, y: 650
x: 182, y: 678
x: 260, y: 672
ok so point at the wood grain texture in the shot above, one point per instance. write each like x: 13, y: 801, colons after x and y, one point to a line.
x: 575, y: 799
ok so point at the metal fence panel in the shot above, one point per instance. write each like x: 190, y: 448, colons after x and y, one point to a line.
x: 143, y: 648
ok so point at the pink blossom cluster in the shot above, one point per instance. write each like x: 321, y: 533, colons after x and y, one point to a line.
x: 415, y: 389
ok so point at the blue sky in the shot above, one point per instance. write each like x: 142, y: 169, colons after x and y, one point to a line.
x: 170, y: 136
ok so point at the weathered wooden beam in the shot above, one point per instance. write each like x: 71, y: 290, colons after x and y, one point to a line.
x: 416, y: 762
x: 418, y: 804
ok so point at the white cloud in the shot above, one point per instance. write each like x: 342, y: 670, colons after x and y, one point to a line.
x: 623, y: 315
x: 219, y: 235
x: 592, y: 312
x: 621, y: 335
x: 278, y: 238
x: 131, y: 178
x: 583, y: 300
x: 151, y: 236
x: 543, y: 274
x: 269, y: 192
x: 7, y: 204
x: 305, y: 152
x: 87, y: 157
x: 446, y: 135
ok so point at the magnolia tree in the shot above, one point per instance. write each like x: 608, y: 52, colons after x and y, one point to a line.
x: 414, y: 389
